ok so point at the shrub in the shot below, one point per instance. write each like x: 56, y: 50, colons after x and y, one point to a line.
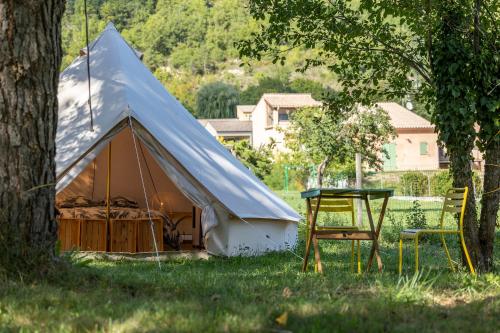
x: 415, y: 218
x: 414, y: 183
x: 297, y: 177
x: 443, y: 180
x: 391, y: 234
x: 257, y: 160
x: 275, y: 179
x: 440, y: 183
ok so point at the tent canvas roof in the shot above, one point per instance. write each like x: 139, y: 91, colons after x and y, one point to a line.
x: 123, y: 87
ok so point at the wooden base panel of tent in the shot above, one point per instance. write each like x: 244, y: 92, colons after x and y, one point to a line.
x: 93, y: 235
x: 144, y: 236
x: 69, y: 234
x: 125, y: 235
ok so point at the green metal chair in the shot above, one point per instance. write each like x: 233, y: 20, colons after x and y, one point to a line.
x: 340, y: 205
x: 454, y: 202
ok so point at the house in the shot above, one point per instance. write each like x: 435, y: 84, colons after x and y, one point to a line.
x: 270, y: 117
x: 415, y: 145
x: 244, y: 112
x: 229, y: 129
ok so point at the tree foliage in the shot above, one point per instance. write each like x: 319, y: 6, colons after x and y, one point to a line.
x: 217, y: 100
x: 186, y: 44
x: 277, y: 84
x: 257, y: 160
x: 327, y: 136
x: 444, y: 53
x: 265, y: 85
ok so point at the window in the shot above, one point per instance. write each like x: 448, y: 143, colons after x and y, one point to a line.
x: 283, y: 117
x: 424, y: 148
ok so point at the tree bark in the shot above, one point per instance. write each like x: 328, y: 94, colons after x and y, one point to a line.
x: 321, y: 170
x: 30, y: 57
x: 490, y: 202
x: 462, y: 176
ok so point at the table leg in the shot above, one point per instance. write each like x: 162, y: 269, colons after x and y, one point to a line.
x: 312, y: 216
x: 308, y: 231
x: 382, y: 215
x: 317, y: 258
x: 379, y: 224
x: 374, y: 249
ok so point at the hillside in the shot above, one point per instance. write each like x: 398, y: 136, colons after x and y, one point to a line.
x: 190, y: 43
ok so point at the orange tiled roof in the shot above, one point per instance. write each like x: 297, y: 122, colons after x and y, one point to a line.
x: 402, y: 117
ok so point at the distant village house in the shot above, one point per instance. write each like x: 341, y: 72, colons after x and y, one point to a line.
x: 415, y: 146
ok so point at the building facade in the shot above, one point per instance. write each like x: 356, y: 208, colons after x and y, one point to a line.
x: 271, y: 117
x: 415, y: 146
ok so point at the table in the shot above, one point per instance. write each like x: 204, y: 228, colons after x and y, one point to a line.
x: 319, y: 194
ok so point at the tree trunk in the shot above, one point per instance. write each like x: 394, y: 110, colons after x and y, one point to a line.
x: 462, y: 176
x: 321, y: 170
x: 30, y: 57
x: 490, y: 202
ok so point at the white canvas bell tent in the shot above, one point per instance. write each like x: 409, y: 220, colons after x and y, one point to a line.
x: 239, y: 214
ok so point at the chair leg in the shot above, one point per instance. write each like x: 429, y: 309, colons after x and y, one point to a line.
x: 447, y: 253
x: 467, y: 257
x: 400, y: 256
x: 416, y: 253
x: 359, y: 258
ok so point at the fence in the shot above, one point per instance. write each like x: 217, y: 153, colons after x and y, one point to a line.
x: 411, y: 183
x: 417, y: 201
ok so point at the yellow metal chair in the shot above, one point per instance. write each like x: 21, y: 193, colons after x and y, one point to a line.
x: 454, y: 202
x: 339, y: 205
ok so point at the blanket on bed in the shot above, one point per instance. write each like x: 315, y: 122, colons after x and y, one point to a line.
x: 99, y: 212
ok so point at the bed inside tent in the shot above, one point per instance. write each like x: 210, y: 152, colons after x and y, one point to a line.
x: 104, y: 207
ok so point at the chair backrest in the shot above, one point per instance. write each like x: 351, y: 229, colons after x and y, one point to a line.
x: 455, y: 202
x: 335, y: 205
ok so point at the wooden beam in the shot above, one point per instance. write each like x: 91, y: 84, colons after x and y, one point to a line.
x: 343, y: 235
x: 108, y: 191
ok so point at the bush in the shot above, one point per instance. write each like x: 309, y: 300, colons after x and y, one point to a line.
x: 443, y: 180
x: 257, y: 160
x: 297, y: 177
x: 440, y: 183
x: 391, y: 234
x: 414, y: 183
x: 415, y: 218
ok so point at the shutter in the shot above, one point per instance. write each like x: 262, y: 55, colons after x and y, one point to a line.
x: 423, y: 148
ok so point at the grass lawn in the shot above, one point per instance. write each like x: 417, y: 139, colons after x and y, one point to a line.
x: 247, y: 294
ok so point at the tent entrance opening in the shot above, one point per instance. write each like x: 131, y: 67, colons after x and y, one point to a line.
x: 104, y: 208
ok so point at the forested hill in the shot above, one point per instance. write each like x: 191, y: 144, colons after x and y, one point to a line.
x: 189, y: 44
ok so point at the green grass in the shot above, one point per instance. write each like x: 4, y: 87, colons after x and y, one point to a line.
x: 247, y: 294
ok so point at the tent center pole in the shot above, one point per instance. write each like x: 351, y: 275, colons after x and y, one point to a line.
x: 108, y: 192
